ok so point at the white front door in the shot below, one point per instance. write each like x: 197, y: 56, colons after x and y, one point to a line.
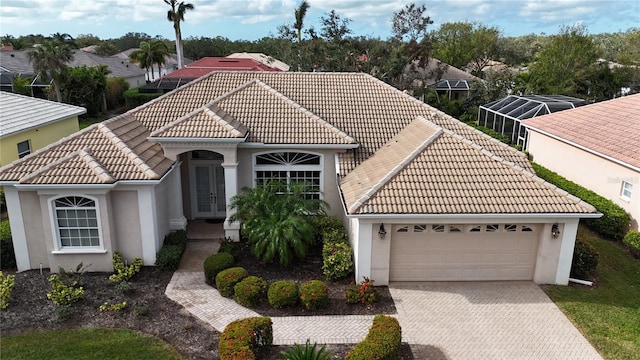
x: 207, y: 190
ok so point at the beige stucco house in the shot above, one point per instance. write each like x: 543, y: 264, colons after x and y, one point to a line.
x: 424, y: 197
x: 28, y: 124
x: 596, y: 146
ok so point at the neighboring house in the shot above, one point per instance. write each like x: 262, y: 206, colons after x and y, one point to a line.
x: 18, y: 63
x: 424, y: 196
x: 596, y: 146
x: 443, y: 78
x: 28, y: 124
x: 203, y: 67
x: 170, y: 64
x: 267, y: 60
x: 505, y: 115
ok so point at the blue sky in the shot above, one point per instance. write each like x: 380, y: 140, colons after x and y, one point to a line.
x: 251, y: 20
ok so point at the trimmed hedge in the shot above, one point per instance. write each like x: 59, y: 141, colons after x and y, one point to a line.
x: 216, y: 263
x: 382, y: 342
x: 585, y: 260
x: 227, y: 279
x: 133, y: 98
x: 241, y: 339
x: 614, y: 222
x: 632, y: 239
x: 314, y: 295
x: 283, y: 294
x: 250, y: 291
x: 173, y: 247
x: 7, y: 255
x: 337, y: 260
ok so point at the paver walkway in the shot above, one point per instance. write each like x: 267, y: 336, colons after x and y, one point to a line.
x: 440, y: 321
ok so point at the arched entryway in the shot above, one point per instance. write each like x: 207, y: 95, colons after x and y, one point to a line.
x: 207, y: 196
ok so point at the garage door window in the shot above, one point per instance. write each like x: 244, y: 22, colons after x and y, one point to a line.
x: 454, y: 229
x: 437, y: 228
x: 511, y: 227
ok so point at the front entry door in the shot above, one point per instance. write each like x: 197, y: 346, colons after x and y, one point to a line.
x: 207, y: 190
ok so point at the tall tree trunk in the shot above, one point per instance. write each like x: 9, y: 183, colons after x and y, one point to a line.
x: 179, y: 46
x: 57, y: 89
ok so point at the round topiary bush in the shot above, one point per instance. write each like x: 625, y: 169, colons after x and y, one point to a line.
x: 227, y: 279
x: 282, y: 294
x: 314, y: 295
x: 250, y: 291
x: 216, y: 263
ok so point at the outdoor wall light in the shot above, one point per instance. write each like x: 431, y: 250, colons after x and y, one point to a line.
x: 382, y: 232
x: 555, y: 231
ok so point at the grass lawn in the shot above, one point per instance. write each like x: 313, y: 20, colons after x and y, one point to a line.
x: 608, y: 314
x: 85, y: 344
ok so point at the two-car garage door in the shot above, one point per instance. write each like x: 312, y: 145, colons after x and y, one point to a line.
x: 442, y: 252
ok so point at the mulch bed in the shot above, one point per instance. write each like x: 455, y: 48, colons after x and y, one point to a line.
x: 30, y: 310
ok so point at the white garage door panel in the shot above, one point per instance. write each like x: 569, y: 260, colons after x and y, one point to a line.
x: 463, y: 256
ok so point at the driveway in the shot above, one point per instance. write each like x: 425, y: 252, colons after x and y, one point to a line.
x: 486, y: 321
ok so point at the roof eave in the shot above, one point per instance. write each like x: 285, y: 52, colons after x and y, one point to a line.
x: 299, y: 146
x: 182, y: 140
x: 484, y: 215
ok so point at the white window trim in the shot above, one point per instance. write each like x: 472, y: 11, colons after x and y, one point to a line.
x: 319, y: 167
x: 623, y: 189
x: 58, y: 249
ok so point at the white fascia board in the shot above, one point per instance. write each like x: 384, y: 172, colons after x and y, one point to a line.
x: 476, y: 216
x: 54, y: 187
x: 561, y: 139
x: 299, y: 146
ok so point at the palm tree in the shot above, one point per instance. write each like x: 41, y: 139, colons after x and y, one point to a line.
x: 150, y: 53
x: 50, y: 59
x: 300, y: 13
x: 175, y: 15
x: 276, y: 220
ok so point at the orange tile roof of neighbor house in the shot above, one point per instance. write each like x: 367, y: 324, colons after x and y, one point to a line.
x: 396, y: 154
x: 609, y: 128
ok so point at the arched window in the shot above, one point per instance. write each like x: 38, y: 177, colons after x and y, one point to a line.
x: 290, y: 168
x: 76, y: 221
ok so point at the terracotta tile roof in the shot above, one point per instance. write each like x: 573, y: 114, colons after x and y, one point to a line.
x: 206, y: 65
x: 426, y: 169
x: 207, y: 122
x: 610, y: 128
x: 111, y: 151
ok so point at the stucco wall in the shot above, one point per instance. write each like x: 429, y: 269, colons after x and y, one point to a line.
x: 591, y: 171
x: 163, y: 200
x: 39, y: 138
x: 126, y: 224
x: 34, y: 229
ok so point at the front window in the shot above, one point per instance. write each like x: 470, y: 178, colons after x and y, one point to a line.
x: 625, y: 192
x: 291, y: 168
x: 76, y: 222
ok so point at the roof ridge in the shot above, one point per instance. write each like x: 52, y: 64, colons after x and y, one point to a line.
x: 401, y: 165
x: 48, y: 166
x: 227, y: 125
x: 307, y: 112
x: 126, y: 150
x: 517, y: 168
x: 87, y: 156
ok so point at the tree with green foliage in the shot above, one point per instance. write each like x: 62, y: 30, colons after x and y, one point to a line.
x: 277, y: 220
x: 150, y: 53
x: 410, y: 23
x: 85, y: 86
x: 566, y: 64
x: 49, y: 60
x: 300, y: 13
x: 20, y: 85
x: 176, y: 15
x: 460, y: 44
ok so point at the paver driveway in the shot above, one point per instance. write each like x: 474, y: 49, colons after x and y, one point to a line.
x: 486, y: 321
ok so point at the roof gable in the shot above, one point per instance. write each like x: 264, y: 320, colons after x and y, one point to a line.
x: 608, y: 128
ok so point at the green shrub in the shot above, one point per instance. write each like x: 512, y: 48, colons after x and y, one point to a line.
x: 314, y: 295
x: 308, y: 352
x: 62, y: 294
x: 382, y: 342
x: 113, y: 307
x: 614, y: 222
x: 227, y: 279
x: 173, y: 247
x: 7, y: 255
x: 216, y: 263
x: 73, y: 278
x: 114, y: 94
x: 133, y: 98
x: 7, y: 282
x: 250, y: 291
x: 585, y: 260
x: 337, y: 260
x: 329, y: 229
x: 124, y: 272
x: 283, y: 294
x: 168, y: 258
x: 362, y: 293
x: 632, y: 239
x: 241, y: 339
